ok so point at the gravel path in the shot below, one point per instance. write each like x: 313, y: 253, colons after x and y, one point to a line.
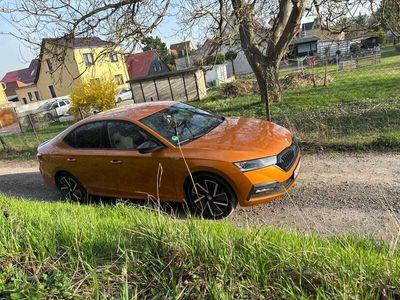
x: 335, y: 193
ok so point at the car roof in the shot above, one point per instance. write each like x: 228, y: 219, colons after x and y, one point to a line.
x: 134, y: 111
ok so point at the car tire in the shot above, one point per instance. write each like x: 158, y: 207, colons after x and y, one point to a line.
x: 209, y: 196
x: 70, y: 188
x: 48, y: 117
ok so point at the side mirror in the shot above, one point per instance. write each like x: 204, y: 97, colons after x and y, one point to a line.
x: 148, y: 146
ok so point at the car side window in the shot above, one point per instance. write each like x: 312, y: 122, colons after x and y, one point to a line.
x: 125, y: 135
x: 88, y: 136
x: 55, y: 105
x: 62, y: 103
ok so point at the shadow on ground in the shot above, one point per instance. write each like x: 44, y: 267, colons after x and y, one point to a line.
x: 30, y: 185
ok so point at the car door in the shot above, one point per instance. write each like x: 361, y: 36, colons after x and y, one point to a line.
x: 135, y: 175
x: 55, y: 108
x: 86, y: 157
x: 61, y: 110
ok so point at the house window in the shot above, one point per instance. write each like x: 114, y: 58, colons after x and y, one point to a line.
x: 49, y: 65
x: 30, y: 96
x: 37, y: 95
x: 52, y: 91
x: 113, y: 57
x: 119, y: 79
x: 88, y: 58
x: 24, y: 99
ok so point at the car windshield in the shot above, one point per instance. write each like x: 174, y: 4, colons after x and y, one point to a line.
x: 182, y: 123
x: 47, y: 105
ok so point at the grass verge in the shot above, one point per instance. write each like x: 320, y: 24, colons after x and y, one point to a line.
x: 358, y: 110
x: 59, y: 250
x: 24, y: 145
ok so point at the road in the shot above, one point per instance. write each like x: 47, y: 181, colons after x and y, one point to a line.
x: 335, y: 193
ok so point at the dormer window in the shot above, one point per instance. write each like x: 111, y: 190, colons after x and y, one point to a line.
x: 88, y: 58
x: 113, y: 57
x: 49, y: 65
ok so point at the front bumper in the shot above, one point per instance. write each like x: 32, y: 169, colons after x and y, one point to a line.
x: 270, y: 183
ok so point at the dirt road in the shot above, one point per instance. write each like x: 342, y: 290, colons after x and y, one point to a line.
x: 335, y: 193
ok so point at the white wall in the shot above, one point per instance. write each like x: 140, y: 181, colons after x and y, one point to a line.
x: 218, y: 72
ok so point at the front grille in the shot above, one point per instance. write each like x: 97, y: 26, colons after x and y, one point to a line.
x: 288, y: 156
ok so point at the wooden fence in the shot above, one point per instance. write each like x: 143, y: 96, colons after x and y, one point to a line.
x: 184, y: 86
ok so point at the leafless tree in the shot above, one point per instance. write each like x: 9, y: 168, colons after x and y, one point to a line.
x: 389, y: 16
x: 120, y: 22
x: 264, y: 29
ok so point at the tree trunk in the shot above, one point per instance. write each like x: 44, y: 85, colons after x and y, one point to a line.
x: 233, y: 68
x: 273, y: 84
x: 262, y: 85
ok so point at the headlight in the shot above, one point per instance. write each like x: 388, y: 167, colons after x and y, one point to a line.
x: 249, y: 165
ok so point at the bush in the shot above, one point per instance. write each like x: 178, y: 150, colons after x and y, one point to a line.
x: 294, y: 80
x: 93, y: 95
x: 303, y: 79
x: 240, y: 88
x: 171, y: 67
x: 215, y: 59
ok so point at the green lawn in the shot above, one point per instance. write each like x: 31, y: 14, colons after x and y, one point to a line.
x: 359, y: 110
x: 24, y: 145
x: 65, y: 251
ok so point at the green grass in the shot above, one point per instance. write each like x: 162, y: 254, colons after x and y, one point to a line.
x: 358, y: 110
x: 59, y: 250
x: 24, y: 145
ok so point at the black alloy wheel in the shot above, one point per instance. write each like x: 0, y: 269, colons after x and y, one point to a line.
x: 70, y: 188
x: 210, y: 197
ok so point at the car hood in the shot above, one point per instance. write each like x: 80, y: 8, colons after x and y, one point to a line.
x: 239, y: 139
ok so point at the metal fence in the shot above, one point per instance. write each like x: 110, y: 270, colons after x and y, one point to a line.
x: 342, y: 61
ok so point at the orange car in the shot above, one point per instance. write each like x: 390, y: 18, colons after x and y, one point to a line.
x: 173, y: 152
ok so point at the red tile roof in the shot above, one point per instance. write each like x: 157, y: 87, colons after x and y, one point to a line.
x: 26, y: 75
x: 139, y: 64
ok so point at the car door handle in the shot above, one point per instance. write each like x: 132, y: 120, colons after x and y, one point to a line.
x: 115, y: 161
x: 71, y: 159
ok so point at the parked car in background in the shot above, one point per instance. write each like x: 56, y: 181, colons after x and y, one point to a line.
x: 171, y: 151
x: 56, y: 108
x: 123, y: 95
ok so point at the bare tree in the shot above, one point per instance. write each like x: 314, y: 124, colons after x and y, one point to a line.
x: 389, y: 16
x: 121, y: 22
x: 263, y: 29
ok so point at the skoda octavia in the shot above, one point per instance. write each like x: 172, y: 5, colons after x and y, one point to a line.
x: 171, y: 151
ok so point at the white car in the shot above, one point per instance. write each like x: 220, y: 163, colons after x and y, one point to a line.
x: 56, y: 108
x: 123, y: 95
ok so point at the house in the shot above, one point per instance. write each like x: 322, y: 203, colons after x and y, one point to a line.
x: 19, y: 78
x: 303, y: 46
x: 181, y: 49
x: 145, y: 63
x: 76, y: 59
